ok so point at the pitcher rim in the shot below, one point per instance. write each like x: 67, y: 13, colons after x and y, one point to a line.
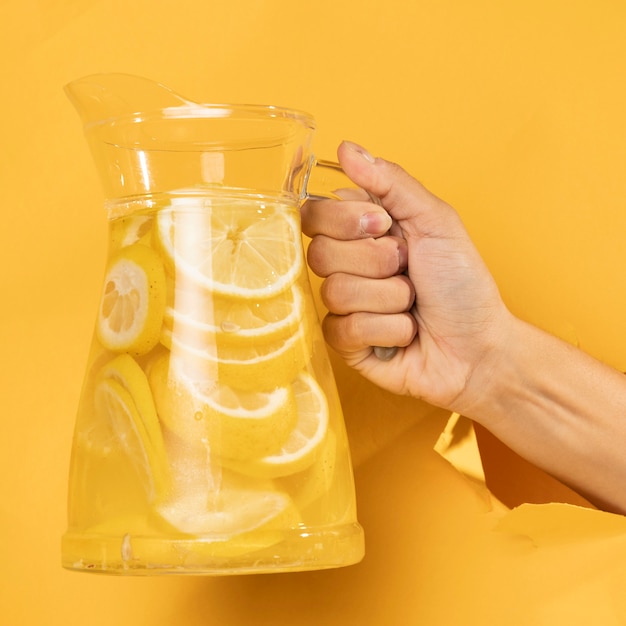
x: 211, y: 110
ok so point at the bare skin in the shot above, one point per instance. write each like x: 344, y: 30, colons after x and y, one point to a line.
x: 407, y: 275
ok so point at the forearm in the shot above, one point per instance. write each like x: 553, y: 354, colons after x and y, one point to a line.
x: 560, y: 409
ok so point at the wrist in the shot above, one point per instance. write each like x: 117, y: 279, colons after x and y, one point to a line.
x: 493, y: 381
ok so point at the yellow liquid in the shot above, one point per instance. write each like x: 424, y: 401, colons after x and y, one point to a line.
x: 224, y: 500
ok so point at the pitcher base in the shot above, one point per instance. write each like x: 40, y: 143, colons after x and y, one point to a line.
x: 138, y: 555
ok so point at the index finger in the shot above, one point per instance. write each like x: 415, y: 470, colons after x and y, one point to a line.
x: 344, y: 219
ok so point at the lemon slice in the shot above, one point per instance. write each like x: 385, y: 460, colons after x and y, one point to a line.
x: 131, y: 229
x: 301, y: 448
x: 133, y: 301
x: 123, y: 401
x: 231, y: 423
x: 235, y: 249
x: 204, y: 319
x: 316, y: 482
x: 225, y: 513
x: 231, y: 522
x: 248, y: 367
x: 230, y: 513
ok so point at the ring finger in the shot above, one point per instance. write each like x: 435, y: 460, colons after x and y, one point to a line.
x: 344, y: 293
x: 372, y: 258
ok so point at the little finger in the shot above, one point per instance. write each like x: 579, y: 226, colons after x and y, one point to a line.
x: 352, y: 333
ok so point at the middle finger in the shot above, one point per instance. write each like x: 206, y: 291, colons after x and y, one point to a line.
x: 371, y: 258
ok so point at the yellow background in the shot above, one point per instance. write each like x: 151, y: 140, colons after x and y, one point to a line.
x: 512, y: 111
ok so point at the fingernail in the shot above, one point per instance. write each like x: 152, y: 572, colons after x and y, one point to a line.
x: 361, y: 150
x: 375, y: 224
x: 403, y: 255
x: 385, y: 354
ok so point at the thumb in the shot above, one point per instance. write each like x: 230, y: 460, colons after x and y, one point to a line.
x: 404, y: 198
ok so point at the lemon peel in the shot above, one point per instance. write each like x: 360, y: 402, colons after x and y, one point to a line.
x: 130, y: 229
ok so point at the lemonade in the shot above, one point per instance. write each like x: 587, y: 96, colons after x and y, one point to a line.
x: 209, y: 436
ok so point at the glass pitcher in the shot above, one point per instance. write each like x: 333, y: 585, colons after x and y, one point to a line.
x: 209, y: 437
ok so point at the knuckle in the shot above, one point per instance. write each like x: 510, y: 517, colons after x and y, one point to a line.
x: 333, y: 329
x: 332, y: 293
x: 353, y: 327
x: 342, y: 330
x: 406, y: 291
x: 384, y: 256
x: 317, y: 257
x: 407, y: 329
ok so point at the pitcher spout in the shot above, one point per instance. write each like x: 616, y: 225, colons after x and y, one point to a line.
x: 147, y: 139
x: 101, y: 97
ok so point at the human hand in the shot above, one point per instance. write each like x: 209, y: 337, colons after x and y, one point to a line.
x: 405, y: 274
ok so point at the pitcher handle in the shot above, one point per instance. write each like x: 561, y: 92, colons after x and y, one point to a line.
x: 324, y: 178
x: 322, y: 181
